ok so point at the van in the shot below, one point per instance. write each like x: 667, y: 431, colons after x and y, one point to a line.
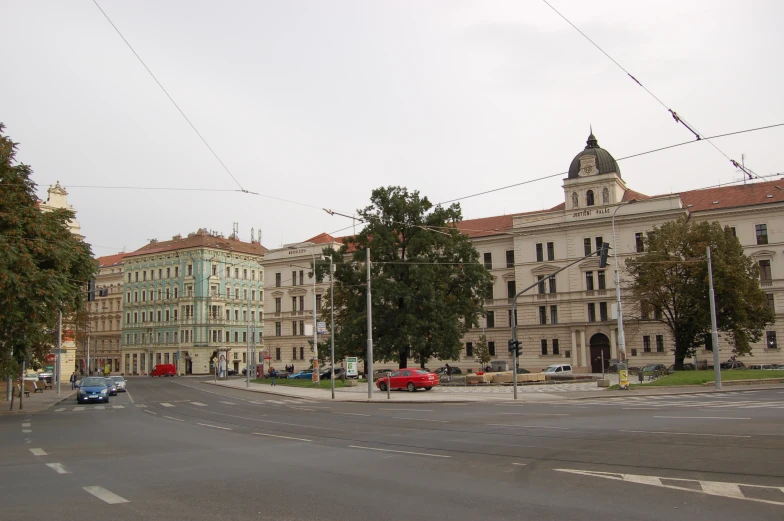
x: 558, y: 369
x: 164, y: 370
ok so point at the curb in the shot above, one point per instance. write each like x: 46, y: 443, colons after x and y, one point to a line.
x: 676, y: 391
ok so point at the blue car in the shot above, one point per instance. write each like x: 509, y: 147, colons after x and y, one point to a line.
x: 302, y: 375
x: 93, y: 389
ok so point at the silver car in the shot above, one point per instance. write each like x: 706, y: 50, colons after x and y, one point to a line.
x: 120, y: 382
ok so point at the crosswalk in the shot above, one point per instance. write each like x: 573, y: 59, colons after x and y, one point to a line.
x: 174, y: 405
x: 731, y: 400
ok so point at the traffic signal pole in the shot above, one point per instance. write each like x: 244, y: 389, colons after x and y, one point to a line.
x: 514, y: 344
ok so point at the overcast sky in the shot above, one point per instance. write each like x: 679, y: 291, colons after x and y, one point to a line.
x: 319, y: 102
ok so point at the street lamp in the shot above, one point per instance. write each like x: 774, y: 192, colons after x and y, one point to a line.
x: 621, y: 337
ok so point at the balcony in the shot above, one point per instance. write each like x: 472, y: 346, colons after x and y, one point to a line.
x: 766, y: 283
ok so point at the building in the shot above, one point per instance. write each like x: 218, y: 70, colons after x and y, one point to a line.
x: 104, y: 309
x: 570, y: 319
x: 57, y: 199
x: 192, y: 300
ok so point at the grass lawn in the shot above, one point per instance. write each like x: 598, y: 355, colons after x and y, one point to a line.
x: 701, y: 377
x: 323, y: 384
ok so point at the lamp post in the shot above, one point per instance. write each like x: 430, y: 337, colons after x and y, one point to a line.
x: 149, y: 351
x: 332, y: 324
x: 621, y: 336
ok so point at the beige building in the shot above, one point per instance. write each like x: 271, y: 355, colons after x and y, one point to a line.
x: 57, y: 198
x: 105, y: 318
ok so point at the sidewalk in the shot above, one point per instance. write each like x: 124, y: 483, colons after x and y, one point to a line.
x: 38, y: 402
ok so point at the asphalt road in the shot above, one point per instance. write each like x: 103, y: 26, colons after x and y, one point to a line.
x: 179, y: 449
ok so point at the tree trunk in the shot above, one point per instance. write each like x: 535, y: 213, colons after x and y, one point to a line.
x: 403, y: 362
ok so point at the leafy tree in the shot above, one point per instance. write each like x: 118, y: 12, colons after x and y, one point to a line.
x: 43, y: 267
x: 671, y: 278
x: 427, y: 282
x: 482, y: 352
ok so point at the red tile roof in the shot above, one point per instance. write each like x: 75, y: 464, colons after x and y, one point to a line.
x: 111, y: 260
x: 321, y: 238
x: 199, y: 240
x: 723, y: 197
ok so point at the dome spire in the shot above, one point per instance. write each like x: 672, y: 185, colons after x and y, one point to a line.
x: 592, y: 142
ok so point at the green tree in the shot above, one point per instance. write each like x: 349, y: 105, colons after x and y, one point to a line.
x: 43, y: 267
x: 482, y: 352
x: 427, y: 283
x: 671, y: 279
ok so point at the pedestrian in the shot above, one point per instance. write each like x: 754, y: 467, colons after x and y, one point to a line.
x: 73, y: 380
x: 273, y: 374
x: 448, y: 373
x: 489, y: 369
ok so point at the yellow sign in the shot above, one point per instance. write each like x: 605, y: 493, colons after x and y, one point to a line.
x: 624, y: 374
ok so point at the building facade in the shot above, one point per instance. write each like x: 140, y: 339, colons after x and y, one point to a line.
x: 104, y: 319
x: 193, y: 302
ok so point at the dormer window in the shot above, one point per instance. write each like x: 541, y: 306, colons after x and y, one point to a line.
x: 575, y: 204
x: 589, y: 198
x: 605, y: 196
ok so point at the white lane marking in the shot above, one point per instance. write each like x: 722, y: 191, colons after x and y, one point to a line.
x: 165, y: 404
x: 274, y: 401
x: 25, y: 425
x: 302, y: 408
x: 105, y: 495
x: 536, y: 413
x: 400, y: 451
x: 27, y: 431
x: 640, y: 408
x: 228, y: 403
x: 57, y: 467
x: 690, y: 434
x: 38, y: 452
x: 78, y: 408
x: 214, y: 426
x: 151, y: 412
x: 61, y: 409
x: 412, y: 410
x: 352, y: 413
x: 528, y: 426
x: 129, y: 396
x: 101, y: 407
x: 277, y: 436
x: 199, y: 404
x: 175, y: 419
x: 118, y: 407
x: 712, y: 488
x: 702, y: 417
x: 140, y: 405
x: 418, y: 419
x: 520, y: 464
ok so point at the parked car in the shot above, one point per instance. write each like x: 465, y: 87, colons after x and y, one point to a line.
x: 686, y: 367
x: 410, y: 379
x: 92, y: 388
x: 164, y: 370
x: 121, y: 384
x: 441, y: 371
x: 380, y: 373
x: 231, y: 372
x: 761, y: 367
x: 46, y: 375
x: 652, y: 368
x: 732, y: 365
x: 302, y: 375
x: 111, y: 386
x: 520, y: 370
x: 778, y: 367
x: 558, y: 369
x: 326, y: 374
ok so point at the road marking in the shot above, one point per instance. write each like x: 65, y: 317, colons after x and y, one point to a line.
x: 352, y: 413
x: 61, y: 409
x: 140, y: 405
x: 274, y: 401
x: 129, y: 396
x: 640, y: 408
x: 228, y: 403
x: 412, y: 410
x: 711, y: 488
x: 214, y: 426
x: 528, y: 426
x: 175, y: 419
x: 302, y: 408
x: 105, y: 495
x: 118, y: 407
x: 401, y: 451
x: 702, y: 417
x: 38, y: 452
x: 151, y: 412
x: 537, y: 413
x: 418, y: 419
x: 199, y: 404
x: 27, y: 431
x: 101, y: 407
x: 25, y: 425
x: 520, y: 464
x: 691, y: 434
x: 57, y: 467
x: 277, y: 436
x: 78, y: 408
x: 165, y: 404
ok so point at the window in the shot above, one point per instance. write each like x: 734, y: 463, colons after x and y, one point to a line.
x: 176, y: 271
x: 318, y: 302
x: 167, y: 315
x: 277, y: 328
x: 639, y: 242
x: 253, y: 295
x: 228, y: 315
x: 550, y: 251
x: 770, y: 337
x: 603, y: 311
x: 605, y: 196
x: 144, y: 296
x: 510, y: 258
x: 659, y: 343
x: 489, y: 294
x: 160, y: 273
x: 236, y: 315
x: 236, y: 337
x: 277, y: 353
x: 244, y: 294
x: 634, y: 352
x: 602, y: 284
x: 190, y: 270
x: 294, y: 327
x: 129, y: 280
x: 765, y: 273
x: 294, y: 353
x: 646, y: 344
x: 540, y: 278
x: 228, y: 272
x: 488, y: 257
x: 301, y: 353
x: 168, y: 272
x: 511, y: 288
x: 127, y: 319
x: 551, y: 281
x: 277, y: 304
x: 293, y: 278
x: 136, y: 276
x: 490, y: 319
x: 301, y: 327
x: 236, y: 273
x: 556, y: 347
x: 762, y: 233
x: 277, y: 280
x: 159, y: 315
x: 512, y: 318
x: 589, y: 281
x: 252, y: 274
x: 544, y: 346
x: 543, y: 315
x: 734, y: 233
x: 553, y: 314
x: 469, y: 349
x: 491, y: 348
x: 589, y: 198
x: 244, y: 336
x: 771, y: 302
x: 657, y: 313
x: 144, y: 275
x: 214, y: 269
x: 301, y: 277
x: 599, y: 242
x: 245, y: 274
x: 591, y: 312
x: 539, y: 252
x: 587, y: 246
x: 236, y: 293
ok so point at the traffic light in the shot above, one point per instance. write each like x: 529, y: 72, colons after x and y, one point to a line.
x: 514, y: 347
x: 605, y: 249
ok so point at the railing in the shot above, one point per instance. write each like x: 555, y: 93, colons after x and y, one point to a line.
x: 766, y: 283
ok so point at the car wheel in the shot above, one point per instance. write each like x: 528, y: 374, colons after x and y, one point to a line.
x: 411, y: 387
x: 428, y: 388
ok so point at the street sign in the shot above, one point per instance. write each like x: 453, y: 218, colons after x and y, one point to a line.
x: 49, y: 368
x: 351, y: 366
x: 214, y: 359
x: 57, y: 351
x: 322, y: 328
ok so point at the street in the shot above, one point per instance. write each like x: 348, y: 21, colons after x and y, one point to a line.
x: 180, y: 449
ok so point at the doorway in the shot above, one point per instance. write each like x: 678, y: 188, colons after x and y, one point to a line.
x: 600, y: 348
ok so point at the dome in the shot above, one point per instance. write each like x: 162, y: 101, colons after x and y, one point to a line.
x: 598, y: 159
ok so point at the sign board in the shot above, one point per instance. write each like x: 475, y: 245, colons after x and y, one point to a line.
x: 351, y: 366
x: 624, y: 378
x: 49, y: 368
x: 322, y: 328
x: 214, y: 359
x: 57, y: 351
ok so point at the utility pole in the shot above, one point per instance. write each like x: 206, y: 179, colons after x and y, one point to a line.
x: 59, y: 348
x: 88, y: 347
x: 369, y: 356
x: 332, y: 324
x: 714, y: 331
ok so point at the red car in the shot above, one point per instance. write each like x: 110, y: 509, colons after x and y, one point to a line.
x: 411, y: 379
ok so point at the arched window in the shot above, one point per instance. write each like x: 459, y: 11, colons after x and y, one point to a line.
x: 605, y: 196
x: 575, y: 200
x: 589, y: 198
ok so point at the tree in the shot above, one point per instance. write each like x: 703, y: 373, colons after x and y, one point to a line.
x: 427, y: 282
x: 671, y: 279
x: 43, y: 267
x: 482, y: 352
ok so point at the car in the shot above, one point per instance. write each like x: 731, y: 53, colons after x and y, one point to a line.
x: 302, y: 375
x: 652, y: 368
x: 92, y: 389
x: 231, y: 372
x: 46, y: 375
x: 778, y: 367
x: 121, y: 383
x: 326, y: 374
x: 558, y: 369
x: 686, y: 367
x: 164, y: 370
x: 761, y: 367
x: 441, y: 371
x: 732, y: 365
x: 520, y: 370
x: 111, y: 386
x: 410, y: 379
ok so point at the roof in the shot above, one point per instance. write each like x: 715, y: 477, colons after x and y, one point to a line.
x: 321, y: 238
x: 733, y: 196
x: 200, y: 239
x: 605, y: 162
x: 111, y: 260
x: 630, y: 195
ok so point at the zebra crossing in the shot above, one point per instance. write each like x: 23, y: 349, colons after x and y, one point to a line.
x: 730, y: 400
x: 173, y: 405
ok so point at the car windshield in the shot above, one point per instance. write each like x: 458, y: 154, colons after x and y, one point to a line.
x: 550, y: 369
x: 421, y: 371
x: 94, y: 382
x: 109, y: 381
x: 118, y: 379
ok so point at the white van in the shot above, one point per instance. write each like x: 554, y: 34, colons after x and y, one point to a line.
x: 558, y: 369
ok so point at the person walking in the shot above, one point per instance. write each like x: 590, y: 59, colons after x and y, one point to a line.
x: 448, y: 373
x: 73, y: 380
x: 273, y: 374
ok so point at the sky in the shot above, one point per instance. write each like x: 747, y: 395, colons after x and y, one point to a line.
x: 313, y: 104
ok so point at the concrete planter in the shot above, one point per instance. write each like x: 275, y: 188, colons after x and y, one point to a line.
x: 351, y: 383
x: 603, y: 382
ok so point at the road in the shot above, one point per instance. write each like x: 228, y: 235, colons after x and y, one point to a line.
x: 180, y: 449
